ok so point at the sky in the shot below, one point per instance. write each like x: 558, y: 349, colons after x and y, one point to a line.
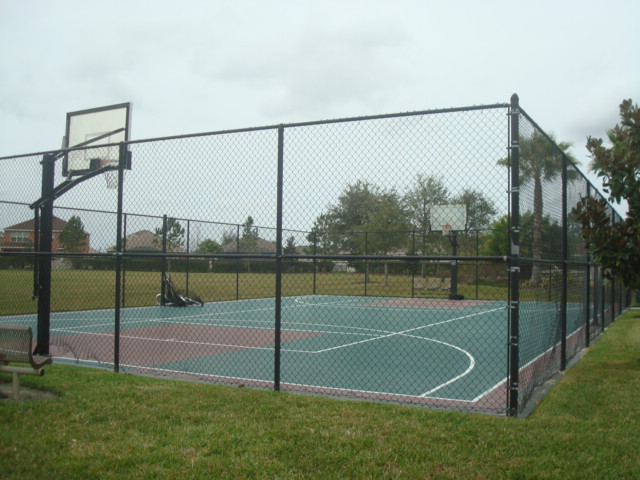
x: 198, y: 66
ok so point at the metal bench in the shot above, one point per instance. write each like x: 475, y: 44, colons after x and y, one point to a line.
x: 16, y: 347
x: 427, y: 283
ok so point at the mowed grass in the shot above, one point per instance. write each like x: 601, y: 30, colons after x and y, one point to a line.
x: 116, y: 426
x: 95, y: 289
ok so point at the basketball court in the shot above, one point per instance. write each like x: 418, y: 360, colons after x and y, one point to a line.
x: 452, y: 353
x: 425, y: 351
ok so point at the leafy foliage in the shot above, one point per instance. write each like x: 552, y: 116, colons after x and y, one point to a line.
x: 209, y: 246
x: 428, y: 191
x: 368, y: 219
x: 496, y: 241
x: 616, y: 246
x: 480, y: 211
x: 249, y: 238
x: 73, y: 236
x: 365, y: 219
x: 175, y: 234
x: 540, y: 161
x: 290, y: 246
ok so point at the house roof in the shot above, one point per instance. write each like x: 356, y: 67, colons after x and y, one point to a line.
x: 261, y: 246
x: 145, y: 241
x: 27, y: 226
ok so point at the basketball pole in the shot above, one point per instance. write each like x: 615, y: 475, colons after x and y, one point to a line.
x: 44, y: 255
x: 453, y: 238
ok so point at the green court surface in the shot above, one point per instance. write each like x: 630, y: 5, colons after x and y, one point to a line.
x: 425, y: 351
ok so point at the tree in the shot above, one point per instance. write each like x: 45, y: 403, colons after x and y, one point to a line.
x: 428, y: 191
x: 616, y: 247
x: 540, y: 161
x: 229, y: 236
x: 290, y: 249
x: 322, y: 241
x: 209, y: 246
x: 175, y: 234
x: 248, y: 240
x: 480, y: 210
x: 496, y: 241
x: 290, y: 246
x: 73, y: 236
x: 389, y: 226
x: 249, y: 237
x: 365, y: 220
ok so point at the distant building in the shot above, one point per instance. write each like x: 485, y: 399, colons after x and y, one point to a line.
x: 145, y: 241
x: 21, y: 237
x: 259, y: 245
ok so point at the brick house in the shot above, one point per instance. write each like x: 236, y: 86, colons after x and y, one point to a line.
x: 20, y: 237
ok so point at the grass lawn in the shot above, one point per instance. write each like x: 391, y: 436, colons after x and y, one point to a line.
x: 95, y: 289
x: 105, y: 425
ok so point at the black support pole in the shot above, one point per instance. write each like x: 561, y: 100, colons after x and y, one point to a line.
x: 44, y: 257
x: 453, y: 294
x: 119, y: 249
x: 565, y: 269
x: 278, y: 289
x: 163, y: 288
x: 587, y: 299
x: 514, y: 260
x: 36, y: 250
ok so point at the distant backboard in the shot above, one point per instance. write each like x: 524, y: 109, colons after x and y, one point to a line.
x: 453, y: 215
x: 94, y: 127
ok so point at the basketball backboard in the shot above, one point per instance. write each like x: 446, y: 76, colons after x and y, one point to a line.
x: 95, y: 127
x: 453, y: 215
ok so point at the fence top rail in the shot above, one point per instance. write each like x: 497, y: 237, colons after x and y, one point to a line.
x: 272, y: 127
x: 261, y: 256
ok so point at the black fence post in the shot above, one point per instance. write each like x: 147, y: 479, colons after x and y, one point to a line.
x: 119, y: 242
x: 477, y: 264
x: 188, y: 260
x: 613, y: 279
x: 36, y: 250
x: 453, y: 293
x: 565, y: 267
x: 603, y: 299
x: 238, y: 263
x: 45, y: 255
x: 587, y: 300
x: 124, y: 263
x: 514, y: 259
x: 278, y: 292
x: 164, y: 259
x: 366, y: 262
x: 315, y: 261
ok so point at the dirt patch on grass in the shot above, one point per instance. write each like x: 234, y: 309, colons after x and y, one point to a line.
x: 26, y: 394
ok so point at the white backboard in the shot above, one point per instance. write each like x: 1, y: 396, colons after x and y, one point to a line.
x: 454, y: 215
x: 94, y: 127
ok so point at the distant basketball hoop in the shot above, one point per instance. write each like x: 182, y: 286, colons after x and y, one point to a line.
x: 446, y: 230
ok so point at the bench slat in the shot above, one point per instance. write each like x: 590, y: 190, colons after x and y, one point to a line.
x: 16, y: 346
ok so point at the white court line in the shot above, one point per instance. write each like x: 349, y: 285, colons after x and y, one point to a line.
x: 403, y: 332
x: 387, y: 334
x: 188, y: 342
x: 472, y: 365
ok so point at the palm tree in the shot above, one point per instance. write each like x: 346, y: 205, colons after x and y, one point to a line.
x: 540, y: 161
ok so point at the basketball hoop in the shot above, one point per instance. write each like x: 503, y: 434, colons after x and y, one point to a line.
x: 446, y: 230
x: 110, y: 176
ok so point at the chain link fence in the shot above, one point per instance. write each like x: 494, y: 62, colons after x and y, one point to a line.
x: 313, y: 249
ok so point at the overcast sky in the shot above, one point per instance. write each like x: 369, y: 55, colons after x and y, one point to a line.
x: 196, y: 66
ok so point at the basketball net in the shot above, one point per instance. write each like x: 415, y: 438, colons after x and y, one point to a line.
x: 446, y: 229
x: 110, y: 176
